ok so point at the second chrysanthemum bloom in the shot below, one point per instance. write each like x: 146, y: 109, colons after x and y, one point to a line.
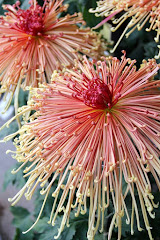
x: 36, y: 41
x: 138, y: 13
x: 94, y: 126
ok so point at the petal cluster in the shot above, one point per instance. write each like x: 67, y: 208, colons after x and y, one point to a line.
x: 36, y: 41
x: 95, y: 148
x: 139, y: 13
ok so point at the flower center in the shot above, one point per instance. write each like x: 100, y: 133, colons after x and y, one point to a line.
x: 31, y: 21
x: 97, y: 94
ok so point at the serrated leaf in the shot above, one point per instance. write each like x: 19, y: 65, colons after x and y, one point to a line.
x: 68, y: 233
x: 42, y: 225
x: 48, y: 232
x: 77, y: 229
x: 22, y: 221
x: 81, y: 225
x: 48, y: 235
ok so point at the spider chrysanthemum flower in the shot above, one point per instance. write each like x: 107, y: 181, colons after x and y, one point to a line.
x: 94, y: 126
x: 36, y: 41
x: 139, y: 13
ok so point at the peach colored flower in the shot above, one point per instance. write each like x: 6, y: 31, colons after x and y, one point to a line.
x: 139, y: 13
x: 36, y: 41
x: 93, y: 126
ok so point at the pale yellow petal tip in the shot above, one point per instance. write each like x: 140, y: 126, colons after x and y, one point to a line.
x: 106, y: 32
x: 54, y: 75
x: 14, y: 171
x: 8, y: 151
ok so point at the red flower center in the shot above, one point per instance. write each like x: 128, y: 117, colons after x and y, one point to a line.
x: 97, y: 94
x: 31, y: 21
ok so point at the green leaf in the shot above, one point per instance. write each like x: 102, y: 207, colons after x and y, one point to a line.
x: 77, y: 228
x: 22, y: 98
x: 19, y: 212
x: 47, y: 231
x: 150, y: 49
x: 15, y: 179
x: 17, y: 234
x: 42, y: 225
x: 100, y: 236
x: 83, y: 6
x: 13, y: 127
x: 48, y: 234
x: 81, y: 225
x: 68, y: 233
x: 39, y: 201
x: 22, y: 221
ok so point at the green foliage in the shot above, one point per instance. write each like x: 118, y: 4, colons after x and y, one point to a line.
x: 48, y: 232
x: 22, y: 221
x: 139, y: 45
x: 43, y: 231
x: 15, y: 179
x: 78, y: 225
x: 23, y: 98
x: 83, y: 6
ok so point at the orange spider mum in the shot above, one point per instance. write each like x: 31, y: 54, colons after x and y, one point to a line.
x: 93, y: 126
x: 36, y: 41
x: 140, y: 13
